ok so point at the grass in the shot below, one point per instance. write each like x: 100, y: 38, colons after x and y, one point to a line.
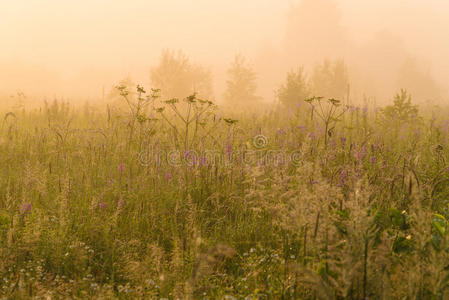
x: 152, y: 199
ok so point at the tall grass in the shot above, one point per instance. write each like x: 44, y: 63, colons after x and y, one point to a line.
x: 152, y: 199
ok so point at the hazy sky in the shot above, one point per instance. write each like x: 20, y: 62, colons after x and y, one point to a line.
x: 105, y: 40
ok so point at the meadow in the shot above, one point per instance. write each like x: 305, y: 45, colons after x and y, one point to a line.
x: 151, y: 198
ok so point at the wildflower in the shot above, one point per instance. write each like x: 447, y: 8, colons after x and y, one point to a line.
x: 312, y: 135
x: 151, y: 282
x: 25, y: 208
x: 103, y: 205
x: 120, y: 203
x: 203, y: 161
x: 121, y: 167
x: 372, y: 160
x: 190, y: 158
x: 365, y: 110
x: 168, y: 176
x: 343, y: 177
x: 343, y: 140
x: 358, y: 155
x: 281, y: 131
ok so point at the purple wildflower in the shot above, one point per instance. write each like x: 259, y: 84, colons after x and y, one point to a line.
x: 102, y: 205
x: 25, y: 208
x: 312, y: 135
x: 343, y: 177
x: 121, y: 167
x: 281, y: 131
x: 190, y: 157
x: 365, y: 110
x: 228, y: 148
x: 372, y: 160
x: 168, y: 176
x: 203, y: 161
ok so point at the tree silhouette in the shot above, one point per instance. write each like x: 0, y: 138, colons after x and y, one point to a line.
x: 330, y: 80
x: 241, y: 84
x: 295, y: 89
x: 178, y: 78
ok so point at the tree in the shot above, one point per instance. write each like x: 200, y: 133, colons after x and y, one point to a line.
x: 295, y: 89
x: 402, y: 109
x: 178, y: 78
x: 330, y: 80
x: 241, y: 84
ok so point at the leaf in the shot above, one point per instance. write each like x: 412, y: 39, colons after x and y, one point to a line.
x: 439, y: 227
x: 402, y: 244
x: 438, y: 216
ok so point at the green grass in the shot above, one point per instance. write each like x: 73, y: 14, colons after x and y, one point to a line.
x: 359, y: 211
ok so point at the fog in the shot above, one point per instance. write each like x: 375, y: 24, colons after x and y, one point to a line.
x: 78, y: 50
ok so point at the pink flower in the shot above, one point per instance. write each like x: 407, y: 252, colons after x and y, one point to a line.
x: 203, y: 161
x: 102, y: 205
x: 120, y: 203
x: 25, y: 208
x: 121, y: 167
x: 281, y: 131
x: 228, y: 148
x: 168, y: 176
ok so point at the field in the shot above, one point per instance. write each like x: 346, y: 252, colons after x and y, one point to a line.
x: 151, y: 199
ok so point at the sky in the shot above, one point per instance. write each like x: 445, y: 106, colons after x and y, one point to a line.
x: 76, y: 48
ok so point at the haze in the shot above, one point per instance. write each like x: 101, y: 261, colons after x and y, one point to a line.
x: 77, y: 49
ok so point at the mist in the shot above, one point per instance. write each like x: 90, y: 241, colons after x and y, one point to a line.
x: 79, y: 50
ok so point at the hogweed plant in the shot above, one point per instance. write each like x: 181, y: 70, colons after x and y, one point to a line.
x: 329, y: 112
